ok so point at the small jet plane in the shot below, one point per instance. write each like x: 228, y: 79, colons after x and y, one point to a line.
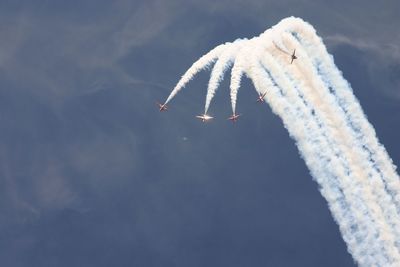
x: 204, y: 117
x: 162, y: 107
x: 234, y: 117
x: 293, y: 57
x: 261, y: 97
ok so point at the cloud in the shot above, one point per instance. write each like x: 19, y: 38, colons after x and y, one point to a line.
x: 380, y: 60
x: 387, y: 50
x: 67, y: 55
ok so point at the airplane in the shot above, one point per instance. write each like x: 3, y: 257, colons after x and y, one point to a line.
x: 162, y: 107
x: 204, y: 117
x: 293, y: 56
x: 261, y: 97
x: 234, y: 117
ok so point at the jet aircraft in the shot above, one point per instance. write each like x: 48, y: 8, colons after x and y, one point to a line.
x: 293, y: 57
x: 261, y: 97
x: 204, y: 117
x: 234, y: 117
x: 162, y: 107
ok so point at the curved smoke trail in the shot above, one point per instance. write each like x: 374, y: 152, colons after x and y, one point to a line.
x: 339, y: 146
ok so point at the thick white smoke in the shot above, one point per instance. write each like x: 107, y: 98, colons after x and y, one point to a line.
x: 339, y: 146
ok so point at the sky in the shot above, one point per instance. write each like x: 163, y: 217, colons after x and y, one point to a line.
x: 92, y: 174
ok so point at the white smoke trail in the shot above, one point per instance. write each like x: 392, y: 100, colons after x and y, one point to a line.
x: 318, y: 156
x: 236, y: 77
x: 381, y: 199
x: 366, y: 134
x: 301, y: 108
x: 347, y: 179
x: 238, y: 69
x: 386, y: 205
x: 199, y: 65
x: 339, y: 146
x: 217, y: 74
x: 368, y: 146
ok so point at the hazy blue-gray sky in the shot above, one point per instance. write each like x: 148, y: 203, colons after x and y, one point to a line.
x: 92, y: 174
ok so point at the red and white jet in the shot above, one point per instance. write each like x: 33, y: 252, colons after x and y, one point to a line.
x: 162, y: 107
x: 261, y: 97
x: 204, y: 117
x: 293, y: 57
x: 234, y: 117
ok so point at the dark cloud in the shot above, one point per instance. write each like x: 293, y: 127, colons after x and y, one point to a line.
x: 92, y: 175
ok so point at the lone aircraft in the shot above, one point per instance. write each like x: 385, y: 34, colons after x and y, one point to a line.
x: 293, y: 56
